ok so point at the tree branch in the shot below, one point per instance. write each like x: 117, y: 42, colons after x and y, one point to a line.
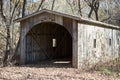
x: 15, y: 6
x: 3, y: 36
x: 1, y: 11
x: 23, y: 9
x: 70, y: 6
x: 79, y: 6
x: 40, y: 5
x: 53, y: 3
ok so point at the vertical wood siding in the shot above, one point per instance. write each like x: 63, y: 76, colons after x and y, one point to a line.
x: 39, y: 43
x: 80, y: 40
x: 104, y: 51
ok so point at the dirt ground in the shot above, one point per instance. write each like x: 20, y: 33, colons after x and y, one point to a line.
x: 50, y: 71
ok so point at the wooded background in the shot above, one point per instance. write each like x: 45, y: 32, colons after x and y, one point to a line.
x: 107, y: 11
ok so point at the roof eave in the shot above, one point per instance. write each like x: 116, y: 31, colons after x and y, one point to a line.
x: 98, y: 23
x: 48, y: 11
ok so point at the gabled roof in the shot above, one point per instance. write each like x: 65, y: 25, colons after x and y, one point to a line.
x: 48, y: 11
x: 79, y: 19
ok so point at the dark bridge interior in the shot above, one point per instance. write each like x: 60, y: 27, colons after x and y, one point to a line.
x: 48, y: 41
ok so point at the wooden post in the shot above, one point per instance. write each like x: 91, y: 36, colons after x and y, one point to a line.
x: 75, y: 45
x: 22, y: 45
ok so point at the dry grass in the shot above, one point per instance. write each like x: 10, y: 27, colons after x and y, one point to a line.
x: 50, y: 70
x: 109, y: 68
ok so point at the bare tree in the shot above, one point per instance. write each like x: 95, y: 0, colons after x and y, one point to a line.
x: 1, y: 11
x: 94, y: 6
x: 68, y: 1
x: 53, y: 3
x: 23, y: 9
x: 8, y: 20
x: 79, y: 6
x: 42, y: 1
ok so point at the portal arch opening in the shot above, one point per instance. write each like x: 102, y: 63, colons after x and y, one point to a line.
x: 48, y: 41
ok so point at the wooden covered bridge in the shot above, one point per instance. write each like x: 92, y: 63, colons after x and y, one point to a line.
x: 52, y: 35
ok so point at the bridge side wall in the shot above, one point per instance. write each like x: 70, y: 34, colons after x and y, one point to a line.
x: 96, y: 45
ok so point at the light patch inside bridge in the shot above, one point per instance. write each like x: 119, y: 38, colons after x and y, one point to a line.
x: 54, y: 42
x: 60, y: 62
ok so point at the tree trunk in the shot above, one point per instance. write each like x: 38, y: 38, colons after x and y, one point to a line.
x: 79, y: 6
x: 90, y: 13
x: 8, y: 21
x: 40, y: 5
x: 1, y: 11
x: 23, y: 9
x: 8, y: 46
x: 1, y: 3
x: 53, y: 5
x: 96, y: 15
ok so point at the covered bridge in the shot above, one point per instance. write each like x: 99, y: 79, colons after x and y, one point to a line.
x: 53, y: 35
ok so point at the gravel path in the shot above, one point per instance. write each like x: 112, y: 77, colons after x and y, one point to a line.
x: 49, y: 72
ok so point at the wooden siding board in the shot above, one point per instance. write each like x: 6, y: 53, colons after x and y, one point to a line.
x: 89, y: 56
x: 45, y: 41
x: 68, y: 23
